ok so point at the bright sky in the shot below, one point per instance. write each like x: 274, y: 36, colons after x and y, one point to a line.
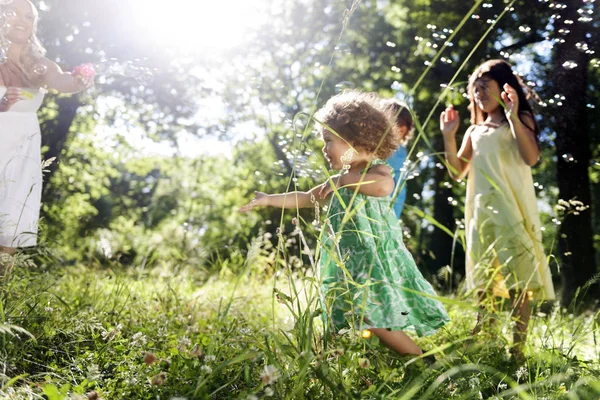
x: 201, y: 25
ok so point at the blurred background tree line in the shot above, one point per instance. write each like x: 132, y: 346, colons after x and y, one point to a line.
x: 221, y: 125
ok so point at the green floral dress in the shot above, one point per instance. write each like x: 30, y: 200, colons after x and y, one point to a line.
x: 369, y: 279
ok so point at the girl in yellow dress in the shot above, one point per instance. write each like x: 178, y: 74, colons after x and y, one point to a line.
x: 505, y: 256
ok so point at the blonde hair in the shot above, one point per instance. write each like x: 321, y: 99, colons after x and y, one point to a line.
x: 33, y: 51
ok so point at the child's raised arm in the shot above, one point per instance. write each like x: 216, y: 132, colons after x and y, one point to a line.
x: 458, y: 161
x: 284, y: 200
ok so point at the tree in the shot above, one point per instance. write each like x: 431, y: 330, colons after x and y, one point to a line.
x: 569, y: 77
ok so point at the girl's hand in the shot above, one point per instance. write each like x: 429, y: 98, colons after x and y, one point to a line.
x: 449, y: 122
x: 260, y: 200
x: 511, y: 101
x: 12, y: 96
x: 325, y: 188
x: 83, y: 82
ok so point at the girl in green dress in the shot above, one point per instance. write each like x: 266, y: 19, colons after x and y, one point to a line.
x: 369, y: 279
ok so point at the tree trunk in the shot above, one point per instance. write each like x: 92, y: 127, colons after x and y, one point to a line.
x: 569, y: 76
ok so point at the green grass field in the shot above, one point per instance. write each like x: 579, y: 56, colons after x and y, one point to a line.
x: 83, y: 332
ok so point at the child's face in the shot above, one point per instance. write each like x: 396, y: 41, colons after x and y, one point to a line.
x: 334, y: 148
x: 21, y: 18
x: 486, y: 93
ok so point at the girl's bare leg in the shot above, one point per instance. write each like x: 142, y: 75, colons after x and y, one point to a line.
x: 398, y: 341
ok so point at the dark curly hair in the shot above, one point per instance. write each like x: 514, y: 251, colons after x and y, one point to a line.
x: 359, y: 118
x: 403, y: 118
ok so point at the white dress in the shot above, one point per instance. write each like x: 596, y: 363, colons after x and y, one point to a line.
x: 20, y: 171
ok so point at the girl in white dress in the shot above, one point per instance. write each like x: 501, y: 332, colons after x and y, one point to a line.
x: 24, y: 74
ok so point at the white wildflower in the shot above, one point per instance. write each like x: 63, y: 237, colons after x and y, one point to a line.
x: 113, y: 333
x: 269, y: 392
x: 93, y: 373
x: 206, y: 369
x: 184, y: 343
x: 270, y: 375
x: 138, y: 339
x: 521, y: 372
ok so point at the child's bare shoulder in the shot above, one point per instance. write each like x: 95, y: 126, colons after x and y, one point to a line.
x: 382, y: 169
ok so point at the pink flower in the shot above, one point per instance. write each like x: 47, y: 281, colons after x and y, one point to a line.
x: 85, y: 70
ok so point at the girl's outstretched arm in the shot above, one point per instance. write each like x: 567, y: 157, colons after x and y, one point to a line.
x: 283, y: 200
x: 377, y: 182
x: 64, y: 82
x: 458, y: 161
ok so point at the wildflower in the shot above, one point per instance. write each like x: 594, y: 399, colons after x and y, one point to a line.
x: 562, y: 388
x: 269, y: 392
x: 112, y: 334
x: 338, y: 352
x: 150, y: 358
x: 521, y: 373
x: 563, y: 203
x: 196, y: 351
x: 364, y: 363
x: 93, y: 372
x: 206, y: 369
x: 184, y: 343
x: 270, y: 375
x: 138, y: 339
x: 159, y: 379
x: 210, y: 358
